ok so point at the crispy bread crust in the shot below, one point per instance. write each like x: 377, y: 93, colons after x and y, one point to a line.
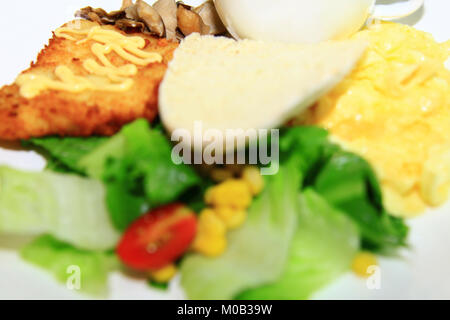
x: 87, y: 113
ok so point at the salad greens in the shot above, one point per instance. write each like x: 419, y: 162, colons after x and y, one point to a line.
x: 322, y: 249
x: 63, y: 260
x: 144, y: 173
x: 302, y: 231
x: 348, y: 182
x: 63, y: 154
x: 326, y: 237
x: 256, y: 252
x: 135, y: 166
x: 69, y: 207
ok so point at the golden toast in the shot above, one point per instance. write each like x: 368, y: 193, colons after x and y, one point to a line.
x: 91, y: 112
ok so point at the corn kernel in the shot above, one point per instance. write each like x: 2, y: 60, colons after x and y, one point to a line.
x: 220, y: 174
x: 210, y: 224
x: 164, y: 275
x: 232, y: 193
x: 233, y: 218
x: 236, y: 169
x: 362, y: 262
x: 253, y: 177
x: 209, y: 195
x: 211, y: 246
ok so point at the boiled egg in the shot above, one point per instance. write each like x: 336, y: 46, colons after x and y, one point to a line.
x: 300, y: 21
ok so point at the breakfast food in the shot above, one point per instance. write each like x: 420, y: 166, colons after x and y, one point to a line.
x: 165, y: 18
x: 116, y: 196
x: 294, y: 20
x: 303, y: 21
x: 240, y: 85
x: 394, y: 111
x: 68, y: 92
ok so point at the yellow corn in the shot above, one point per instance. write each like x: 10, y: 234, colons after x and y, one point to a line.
x: 362, y: 262
x: 252, y: 176
x: 165, y: 274
x: 220, y: 174
x: 210, y: 245
x: 210, y: 224
x: 236, y: 169
x: 232, y: 193
x: 211, y: 236
x: 233, y: 218
x: 229, y: 201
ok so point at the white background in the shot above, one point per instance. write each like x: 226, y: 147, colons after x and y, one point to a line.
x: 421, y: 273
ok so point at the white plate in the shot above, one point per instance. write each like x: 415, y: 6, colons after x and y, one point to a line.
x: 421, y: 274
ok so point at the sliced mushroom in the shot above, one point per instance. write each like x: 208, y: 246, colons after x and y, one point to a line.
x: 128, y: 25
x: 189, y: 21
x: 131, y: 13
x: 126, y: 4
x: 112, y: 17
x: 101, y: 12
x: 88, y: 14
x: 167, y: 9
x: 94, y: 17
x: 207, y: 11
x: 169, y: 18
x: 99, y: 15
x: 150, y: 17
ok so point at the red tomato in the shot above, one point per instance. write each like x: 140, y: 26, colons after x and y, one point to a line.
x: 158, y: 238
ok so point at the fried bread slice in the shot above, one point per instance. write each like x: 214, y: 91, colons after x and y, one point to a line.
x: 90, y: 112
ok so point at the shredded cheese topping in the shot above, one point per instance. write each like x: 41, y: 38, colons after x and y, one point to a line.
x: 104, y: 75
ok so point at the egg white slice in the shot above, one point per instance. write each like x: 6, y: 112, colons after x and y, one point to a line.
x: 227, y: 84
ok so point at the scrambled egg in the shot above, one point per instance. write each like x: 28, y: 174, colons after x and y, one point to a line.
x: 394, y: 110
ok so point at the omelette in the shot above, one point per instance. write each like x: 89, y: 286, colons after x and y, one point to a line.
x: 89, y: 80
x: 394, y: 110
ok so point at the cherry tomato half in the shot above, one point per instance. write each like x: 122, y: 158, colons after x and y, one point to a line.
x: 158, y: 238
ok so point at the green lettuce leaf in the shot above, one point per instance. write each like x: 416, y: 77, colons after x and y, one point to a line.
x: 348, y: 182
x: 138, y: 172
x: 341, y: 198
x: 63, y: 154
x: 257, y: 252
x: 322, y: 249
x: 64, y: 260
x: 135, y: 166
x: 69, y: 207
x: 94, y: 162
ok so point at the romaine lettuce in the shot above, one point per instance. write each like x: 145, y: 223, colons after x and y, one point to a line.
x: 69, y: 207
x: 135, y: 166
x: 138, y: 172
x: 301, y: 233
x: 339, y: 202
x: 322, y: 249
x: 257, y: 252
x: 63, y: 154
x: 65, y: 261
x: 348, y: 182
